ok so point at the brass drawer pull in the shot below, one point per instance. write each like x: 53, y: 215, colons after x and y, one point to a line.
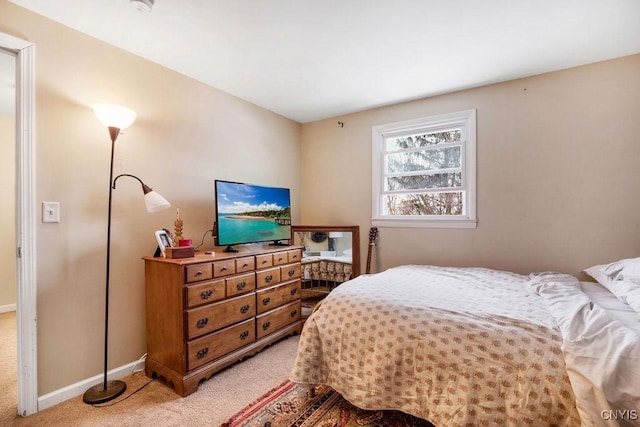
x: 245, y: 265
x: 244, y: 308
x: 240, y: 286
x: 291, y: 272
x: 206, y: 294
x: 268, y: 278
x: 293, y: 313
x: 199, y: 273
x: 202, y: 353
x: 266, y: 325
x: 280, y: 259
x: 244, y: 335
x: 294, y: 291
x: 202, y: 322
x: 223, y: 269
x: 264, y: 261
x: 266, y: 301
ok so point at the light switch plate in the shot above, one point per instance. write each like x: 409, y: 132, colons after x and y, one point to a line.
x: 50, y: 211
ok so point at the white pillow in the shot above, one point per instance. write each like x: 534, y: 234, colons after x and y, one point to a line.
x: 624, y: 269
x: 598, y: 272
x: 633, y: 298
x: 621, y: 278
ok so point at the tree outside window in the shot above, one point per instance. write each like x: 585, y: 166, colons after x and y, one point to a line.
x: 424, y: 172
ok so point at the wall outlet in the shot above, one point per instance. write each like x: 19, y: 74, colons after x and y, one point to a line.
x: 50, y: 211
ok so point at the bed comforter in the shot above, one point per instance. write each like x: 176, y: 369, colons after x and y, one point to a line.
x: 467, y: 346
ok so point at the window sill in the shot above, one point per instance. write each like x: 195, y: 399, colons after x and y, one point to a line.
x: 424, y: 223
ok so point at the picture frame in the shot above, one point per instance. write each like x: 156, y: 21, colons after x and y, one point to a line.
x: 164, y: 241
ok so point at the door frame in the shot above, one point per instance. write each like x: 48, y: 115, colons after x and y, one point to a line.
x: 27, y: 368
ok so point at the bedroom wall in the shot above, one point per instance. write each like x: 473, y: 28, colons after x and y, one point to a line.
x: 8, y: 293
x: 557, y: 173
x: 186, y: 135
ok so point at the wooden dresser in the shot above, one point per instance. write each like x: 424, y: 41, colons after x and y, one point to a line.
x: 208, y: 312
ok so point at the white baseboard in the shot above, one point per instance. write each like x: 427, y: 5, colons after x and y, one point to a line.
x: 7, y: 308
x: 73, y: 390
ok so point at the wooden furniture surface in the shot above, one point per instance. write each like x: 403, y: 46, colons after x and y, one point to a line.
x: 207, y: 312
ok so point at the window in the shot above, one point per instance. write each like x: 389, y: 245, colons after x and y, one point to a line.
x: 424, y: 172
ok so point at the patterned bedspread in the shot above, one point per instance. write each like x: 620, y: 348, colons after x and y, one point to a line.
x: 453, y: 346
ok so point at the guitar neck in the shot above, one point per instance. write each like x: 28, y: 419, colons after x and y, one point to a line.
x: 373, y: 234
x: 371, y: 245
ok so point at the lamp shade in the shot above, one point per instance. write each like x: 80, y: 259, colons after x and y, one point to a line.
x: 155, y: 202
x: 114, y: 116
x: 335, y: 234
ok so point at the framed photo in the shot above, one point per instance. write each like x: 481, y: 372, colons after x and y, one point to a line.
x: 164, y: 241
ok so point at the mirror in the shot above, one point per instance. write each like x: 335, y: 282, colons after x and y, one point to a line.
x: 331, y: 256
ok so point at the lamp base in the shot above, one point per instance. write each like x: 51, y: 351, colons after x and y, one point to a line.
x: 98, y: 394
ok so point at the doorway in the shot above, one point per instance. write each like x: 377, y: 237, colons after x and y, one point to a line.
x: 25, y: 220
x: 8, y: 286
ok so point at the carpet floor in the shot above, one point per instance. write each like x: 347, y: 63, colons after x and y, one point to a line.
x: 153, y: 403
x: 8, y: 366
x: 291, y: 405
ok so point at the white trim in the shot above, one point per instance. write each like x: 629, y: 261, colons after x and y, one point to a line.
x: 25, y: 223
x: 7, y: 308
x: 76, y: 389
x: 443, y: 121
x: 422, y: 223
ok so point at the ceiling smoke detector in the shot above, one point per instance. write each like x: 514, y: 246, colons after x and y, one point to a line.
x: 142, y: 5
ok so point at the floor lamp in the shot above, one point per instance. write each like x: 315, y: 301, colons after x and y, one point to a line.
x: 116, y: 118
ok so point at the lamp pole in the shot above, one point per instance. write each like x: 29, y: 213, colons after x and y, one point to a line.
x: 108, y: 390
x: 116, y: 118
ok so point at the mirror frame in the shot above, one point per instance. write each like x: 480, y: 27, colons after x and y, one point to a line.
x: 355, y: 240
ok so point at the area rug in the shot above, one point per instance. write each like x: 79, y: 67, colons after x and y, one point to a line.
x: 289, y: 405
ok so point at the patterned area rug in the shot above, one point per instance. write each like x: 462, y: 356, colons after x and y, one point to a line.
x: 289, y: 405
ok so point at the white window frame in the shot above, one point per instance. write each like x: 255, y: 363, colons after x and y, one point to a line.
x: 466, y: 120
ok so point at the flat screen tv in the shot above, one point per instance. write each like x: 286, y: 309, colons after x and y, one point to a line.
x: 248, y: 213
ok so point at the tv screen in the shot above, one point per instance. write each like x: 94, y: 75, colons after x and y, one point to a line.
x: 248, y: 213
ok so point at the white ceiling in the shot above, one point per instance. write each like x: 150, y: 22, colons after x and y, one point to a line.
x: 314, y: 59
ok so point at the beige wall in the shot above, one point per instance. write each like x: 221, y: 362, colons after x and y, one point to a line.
x: 557, y: 178
x: 186, y: 135
x: 557, y: 173
x: 7, y: 213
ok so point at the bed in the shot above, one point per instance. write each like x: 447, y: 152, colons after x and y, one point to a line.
x: 474, y: 346
x: 327, y: 268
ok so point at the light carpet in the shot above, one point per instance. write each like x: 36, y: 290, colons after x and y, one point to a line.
x: 8, y: 367
x: 157, y: 405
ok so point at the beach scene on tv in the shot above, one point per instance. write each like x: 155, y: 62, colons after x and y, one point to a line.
x: 251, y: 213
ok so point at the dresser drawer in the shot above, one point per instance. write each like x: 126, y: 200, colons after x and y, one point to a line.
x: 280, y: 258
x: 273, y: 320
x: 224, y: 268
x: 201, y: 321
x: 241, y: 284
x: 294, y: 255
x: 268, y: 277
x: 197, y: 272
x: 205, y: 292
x: 289, y: 272
x: 219, y: 343
x: 264, y: 261
x: 271, y: 298
x: 245, y: 264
